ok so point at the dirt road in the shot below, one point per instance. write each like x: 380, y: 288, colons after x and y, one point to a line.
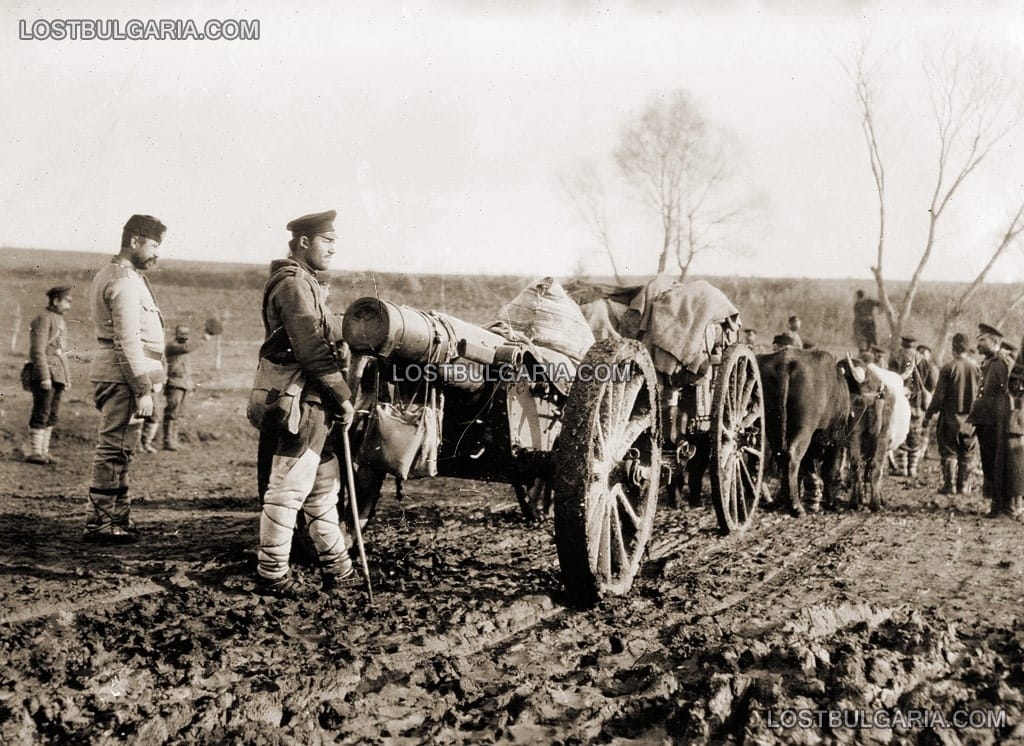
x: 913, y: 615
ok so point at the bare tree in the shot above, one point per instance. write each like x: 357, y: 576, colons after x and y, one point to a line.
x: 974, y: 109
x: 866, y: 92
x: 1014, y: 305
x: 956, y: 307
x: 586, y: 190
x: 686, y: 169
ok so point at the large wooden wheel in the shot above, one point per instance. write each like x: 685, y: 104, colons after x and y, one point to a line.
x: 737, y: 440
x: 606, y: 471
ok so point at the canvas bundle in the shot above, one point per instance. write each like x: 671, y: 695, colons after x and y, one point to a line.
x: 275, y: 396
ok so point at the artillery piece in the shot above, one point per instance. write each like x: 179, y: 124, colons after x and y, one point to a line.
x: 588, y: 436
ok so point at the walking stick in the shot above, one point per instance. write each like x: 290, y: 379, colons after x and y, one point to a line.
x: 355, y: 513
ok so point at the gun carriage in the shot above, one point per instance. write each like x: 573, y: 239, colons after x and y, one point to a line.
x: 595, y: 437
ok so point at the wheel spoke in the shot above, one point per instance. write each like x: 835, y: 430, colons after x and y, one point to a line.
x: 623, y: 501
x: 620, y: 544
x: 736, y: 389
x: 749, y: 419
x: 748, y: 390
x: 732, y: 492
x: 741, y: 502
x: 606, y: 541
x: 633, y: 429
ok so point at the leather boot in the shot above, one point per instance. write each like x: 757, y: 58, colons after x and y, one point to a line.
x: 963, y: 477
x: 1017, y: 507
x: 948, y: 466
x: 171, y: 436
x: 149, y: 431
x: 37, y: 436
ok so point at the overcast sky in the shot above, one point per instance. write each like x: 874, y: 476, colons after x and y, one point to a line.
x: 439, y: 131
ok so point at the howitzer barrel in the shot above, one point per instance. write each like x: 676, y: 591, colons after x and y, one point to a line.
x: 391, y: 330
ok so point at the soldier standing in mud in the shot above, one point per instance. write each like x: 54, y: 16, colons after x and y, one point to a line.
x: 929, y: 372
x: 50, y: 377
x: 126, y: 370
x: 298, y: 468
x: 957, y: 388
x: 998, y: 428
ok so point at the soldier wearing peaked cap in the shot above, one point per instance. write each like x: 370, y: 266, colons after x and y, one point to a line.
x: 49, y: 377
x: 957, y: 388
x: 998, y: 428
x: 126, y: 370
x: 297, y: 467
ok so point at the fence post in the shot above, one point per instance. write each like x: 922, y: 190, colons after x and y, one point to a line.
x: 17, y: 329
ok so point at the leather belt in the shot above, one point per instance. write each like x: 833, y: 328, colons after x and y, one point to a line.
x: 151, y: 354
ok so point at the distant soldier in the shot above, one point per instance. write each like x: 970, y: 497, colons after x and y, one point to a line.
x: 50, y: 376
x: 864, y: 321
x: 907, y: 362
x: 958, y: 386
x: 929, y: 380
x: 126, y: 370
x: 1002, y: 454
x: 179, y: 382
x: 794, y: 332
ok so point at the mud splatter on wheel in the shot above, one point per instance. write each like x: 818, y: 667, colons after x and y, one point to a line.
x: 607, y: 471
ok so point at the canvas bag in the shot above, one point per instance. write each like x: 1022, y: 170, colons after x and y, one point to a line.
x: 277, y: 387
x: 403, y: 439
x: 274, y: 400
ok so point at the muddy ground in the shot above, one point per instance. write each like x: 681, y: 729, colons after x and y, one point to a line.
x: 914, y: 610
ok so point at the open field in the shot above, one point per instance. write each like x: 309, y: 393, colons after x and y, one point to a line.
x: 917, y: 609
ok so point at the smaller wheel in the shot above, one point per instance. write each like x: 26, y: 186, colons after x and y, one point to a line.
x: 737, y: 440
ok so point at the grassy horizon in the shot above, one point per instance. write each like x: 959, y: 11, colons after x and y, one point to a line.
x: 188, y: 291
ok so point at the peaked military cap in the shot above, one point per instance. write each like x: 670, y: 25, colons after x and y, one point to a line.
x: 749, y: 330
x: 182, y: 330
x: 58, y: 291
x: 146, y: 226
x: 782, y: 339
x: 908, y: 341
x: 989, y: 329
x: 877, y: 349
x: 316, y: 222
x: 1008, y: 347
